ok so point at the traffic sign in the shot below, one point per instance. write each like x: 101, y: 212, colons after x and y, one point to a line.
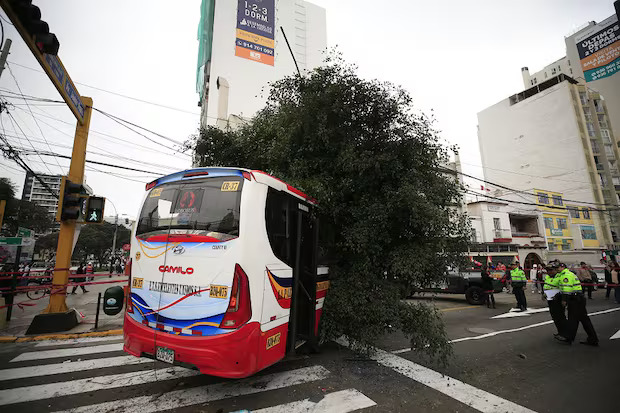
x: 24, y: 232
x: 17, y: 241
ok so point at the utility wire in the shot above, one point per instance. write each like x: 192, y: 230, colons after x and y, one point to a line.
x: 116, y: 93
x: 30, y: 110
x: 14, y: 123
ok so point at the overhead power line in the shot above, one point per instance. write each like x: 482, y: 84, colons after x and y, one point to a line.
x: 117, y: 94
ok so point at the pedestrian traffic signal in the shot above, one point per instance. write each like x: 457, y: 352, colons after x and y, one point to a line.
x: 70, y: 200
x: 29, y: 16
x: 94, y: 211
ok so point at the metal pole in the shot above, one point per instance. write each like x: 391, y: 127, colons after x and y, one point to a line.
x: 112, y: 261
x: 97, y: 314
x: 4, y: 54
x: 11, y: 295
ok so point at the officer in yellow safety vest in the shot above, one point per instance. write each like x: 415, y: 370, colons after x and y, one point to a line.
x: 551, y: 292
x: 519, y: 281
x: 572, y: 295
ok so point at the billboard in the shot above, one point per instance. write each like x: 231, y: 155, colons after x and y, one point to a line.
x: 256, y: 30
x: 599, y: 49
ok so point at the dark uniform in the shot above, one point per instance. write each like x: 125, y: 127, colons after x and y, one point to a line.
x: 572, y: 294
x: 552, y: 293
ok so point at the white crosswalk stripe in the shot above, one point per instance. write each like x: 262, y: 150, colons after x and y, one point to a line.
x: 68, y: 352
x: 55, y: 380
x: 70, y: 367
x: 338, y: 402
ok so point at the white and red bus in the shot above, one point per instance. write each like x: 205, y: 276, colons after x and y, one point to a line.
x: 224, y: 274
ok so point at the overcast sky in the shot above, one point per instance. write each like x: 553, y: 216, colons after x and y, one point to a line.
x: 455, y: 57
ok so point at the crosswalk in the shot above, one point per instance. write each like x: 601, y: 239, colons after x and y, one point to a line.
x: 95, y: 376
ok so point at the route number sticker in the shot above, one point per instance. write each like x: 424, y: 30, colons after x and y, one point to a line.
x: 137, y: 282
x: 273, y: 341
x: 218, y: 291
x: 230, y: 186
x: 156, y: 192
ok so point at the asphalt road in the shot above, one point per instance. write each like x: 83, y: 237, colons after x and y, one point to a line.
x: 506, y: 364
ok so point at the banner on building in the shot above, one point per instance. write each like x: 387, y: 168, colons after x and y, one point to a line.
x: 599, y: 49
x: 256, y: 30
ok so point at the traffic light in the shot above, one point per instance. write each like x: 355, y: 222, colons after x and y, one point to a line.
x: 94, y: 211
x: 29, y: 16
x: 70, y: 200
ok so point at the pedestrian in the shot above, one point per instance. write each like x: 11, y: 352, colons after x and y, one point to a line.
x: 583, y: 273
x: 519, y: 281
x: 534, y: 278
x: 615, y: 281
x: 80, y: 270
x: 487, y: 287
x: 572, y: 295
x: 551, y: 292
x: 608, y: 267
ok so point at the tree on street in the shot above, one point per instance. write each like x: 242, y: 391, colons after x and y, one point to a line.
x: 386, y: 209
x: 96, y: 240
x: 20, y: 213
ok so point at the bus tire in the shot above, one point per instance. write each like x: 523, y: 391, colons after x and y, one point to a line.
x: 474, y: 295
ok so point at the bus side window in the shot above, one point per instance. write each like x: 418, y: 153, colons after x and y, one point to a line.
x: 278, y: 222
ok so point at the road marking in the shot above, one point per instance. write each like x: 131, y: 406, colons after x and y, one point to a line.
x: 459, y: 308
x: 338, y: 402
x: 69, y: 367
x: 204, y: 394
x: 512, y: 330
x: 68, y: 352
x: 76, y: 341
x: 615, y: 336
x: 517, y: 313
x: 52, y: 390
x: 456, y: 389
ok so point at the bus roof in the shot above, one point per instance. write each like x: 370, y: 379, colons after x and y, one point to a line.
x: 258, y: 176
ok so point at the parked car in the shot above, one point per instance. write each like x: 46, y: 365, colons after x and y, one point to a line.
x: 468, y: 283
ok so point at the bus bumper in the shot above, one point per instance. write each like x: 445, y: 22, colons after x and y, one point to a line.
x: 232, y: 355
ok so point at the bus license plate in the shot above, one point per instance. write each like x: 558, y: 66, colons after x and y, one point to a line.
x: 165, y: 354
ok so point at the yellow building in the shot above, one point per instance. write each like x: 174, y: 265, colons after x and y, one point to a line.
x: 567, y: 227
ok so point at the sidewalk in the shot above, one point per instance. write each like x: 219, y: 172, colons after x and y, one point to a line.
x: 86, y: 304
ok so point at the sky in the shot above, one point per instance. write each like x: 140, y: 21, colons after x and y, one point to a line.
x: 455, y: 58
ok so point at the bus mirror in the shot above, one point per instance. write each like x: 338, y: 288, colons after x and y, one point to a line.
x: 113, y: 300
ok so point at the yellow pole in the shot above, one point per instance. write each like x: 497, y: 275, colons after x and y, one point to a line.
x: 67, y: 229
x: 2, y: 205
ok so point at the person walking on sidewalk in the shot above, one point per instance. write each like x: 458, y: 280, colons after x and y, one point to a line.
x: 80, y: 270
x: 615, y: 281
x: 608, y: 268
x: 551, y: 292
x: 583, y: 273
x: 534, y: 278
x: 487, y: 287
x: 572, y: 295
x: 519, y: 281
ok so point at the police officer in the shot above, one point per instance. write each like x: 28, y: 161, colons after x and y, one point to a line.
x: 519, y: 281
x: 551, y: 292
x: 572, y: 294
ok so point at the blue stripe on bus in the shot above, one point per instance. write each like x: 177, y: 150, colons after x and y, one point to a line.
x: 213, y: 172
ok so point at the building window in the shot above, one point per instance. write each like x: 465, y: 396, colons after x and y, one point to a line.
x: 574, y: 212
x: 561, y: 223
x: 603, y: 179
x: 543, y: 198
x: 552, y: 246
x: 566, y: 244
x: 583, y: 98
x: 595, y: 147
x: 548, y: 223
x: 553, y: 71
x: 571, y: 71
x: 557, y: 200
x: 588, y: 232
x: 586, y: 213
x: 615, y: 180
x: 605, y: 134
x: 545, y: 75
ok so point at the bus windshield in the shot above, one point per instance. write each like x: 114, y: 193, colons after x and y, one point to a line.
x: 206, y: 209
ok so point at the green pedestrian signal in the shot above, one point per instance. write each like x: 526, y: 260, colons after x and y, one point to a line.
x: 94, y: 210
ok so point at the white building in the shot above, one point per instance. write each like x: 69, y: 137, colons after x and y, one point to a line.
x: 556, y: 137
x: 592, y: 58
x: 236, y: 63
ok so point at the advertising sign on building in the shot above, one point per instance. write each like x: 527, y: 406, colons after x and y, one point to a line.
x: 599, y: 49
x: 256, y: 30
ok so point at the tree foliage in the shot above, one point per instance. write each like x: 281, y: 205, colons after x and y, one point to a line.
x: 96, y: 240
x: 387, y: 211
x: 20, y: 213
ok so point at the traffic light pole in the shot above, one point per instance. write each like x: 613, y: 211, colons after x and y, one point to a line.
x: 57, y: 302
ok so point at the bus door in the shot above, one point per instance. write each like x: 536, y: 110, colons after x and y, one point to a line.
x: 303, y: 302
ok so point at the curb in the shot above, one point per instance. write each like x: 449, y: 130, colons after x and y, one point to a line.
x: 12, y: 339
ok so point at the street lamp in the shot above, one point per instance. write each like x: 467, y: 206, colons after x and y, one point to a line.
x: 114, y: 238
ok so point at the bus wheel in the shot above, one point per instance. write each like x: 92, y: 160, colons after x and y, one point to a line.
x: 474, y: 295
